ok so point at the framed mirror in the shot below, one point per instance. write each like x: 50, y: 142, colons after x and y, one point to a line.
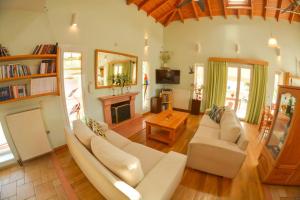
x: 110, y: 66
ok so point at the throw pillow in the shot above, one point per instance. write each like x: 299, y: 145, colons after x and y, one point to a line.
x: 216, y: 113
x: 99, y: 128
x: 124, y: 165
x: 83, y: 133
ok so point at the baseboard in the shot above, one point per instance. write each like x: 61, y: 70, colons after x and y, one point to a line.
x: 60, y: 147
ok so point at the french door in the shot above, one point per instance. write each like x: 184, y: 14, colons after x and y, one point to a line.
x: 238, y: 89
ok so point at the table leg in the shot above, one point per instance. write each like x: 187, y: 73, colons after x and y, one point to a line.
x: 148, y: 130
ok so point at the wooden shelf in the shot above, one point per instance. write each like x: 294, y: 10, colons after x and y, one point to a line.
x: 29, y: 97
x: 28, y: 77
x: 28, y: 57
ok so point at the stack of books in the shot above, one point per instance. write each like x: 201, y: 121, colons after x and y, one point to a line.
x: 47, y: 66
x: 14, y: 70
x: 45, y: 49
x: 3, y: 51
x: 43, y: 85
x: 13, y: 91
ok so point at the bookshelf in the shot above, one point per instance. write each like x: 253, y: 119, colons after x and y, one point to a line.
x: 19, y: 59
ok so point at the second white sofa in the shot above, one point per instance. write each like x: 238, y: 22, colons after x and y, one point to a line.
x: 162, y: 172
x: 218, y: 149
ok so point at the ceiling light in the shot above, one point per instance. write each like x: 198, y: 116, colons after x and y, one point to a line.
x: 272, y: 42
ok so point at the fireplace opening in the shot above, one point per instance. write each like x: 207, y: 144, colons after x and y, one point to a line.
x: 120, y: 112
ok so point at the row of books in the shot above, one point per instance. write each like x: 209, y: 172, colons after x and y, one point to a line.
x: 12, y: 92
x: 3, y: 51
x: 47, y: 66
x: 14, y: 70
x: 43, y: 85
x: 45, y: 49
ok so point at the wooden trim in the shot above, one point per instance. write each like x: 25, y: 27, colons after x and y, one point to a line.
x: 28, y: 77
x: 251, y: 11
x: 59, y: 148
x: 113, y: 52
x: 239, y: 60
x: 141, y: 5
x: 278, y: 12
x: 180, y: 15
x: 171, y: 17
x: 28, y: 57
x: 29, y: 97
x: 58, y: 71
x: 238, y: 13
x: 195, y: 11
x: 157, y: 7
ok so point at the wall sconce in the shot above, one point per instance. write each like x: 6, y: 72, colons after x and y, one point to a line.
x: 74, y: 20
x: 146, y: 43
x: 198, y: 48
x: 237, y: 48
x: 278, y: 53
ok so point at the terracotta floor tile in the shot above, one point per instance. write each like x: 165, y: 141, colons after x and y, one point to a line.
x: 25, y: 191
x: 8, y: 190
x: 45, y: 191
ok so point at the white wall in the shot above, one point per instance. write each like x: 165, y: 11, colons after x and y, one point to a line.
x: 218, y: 37
x: 102, y: 24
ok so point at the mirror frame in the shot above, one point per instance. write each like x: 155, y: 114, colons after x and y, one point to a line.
x: 112, y: 52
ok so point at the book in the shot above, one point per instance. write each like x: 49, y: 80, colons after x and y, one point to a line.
x: 47, y: 67
x: 45, y: 49
x: 14, y: 70
x: 43, y: 85
x: 5, y: 93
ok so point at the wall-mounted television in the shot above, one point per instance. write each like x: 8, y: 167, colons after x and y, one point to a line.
x: 165, y: 76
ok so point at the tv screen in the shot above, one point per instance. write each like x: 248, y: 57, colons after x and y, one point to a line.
x: 167, y: 76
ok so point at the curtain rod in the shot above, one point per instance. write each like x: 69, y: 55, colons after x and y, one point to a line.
x: 240, y: 60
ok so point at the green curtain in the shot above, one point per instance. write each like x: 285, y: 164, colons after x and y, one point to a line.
x: 127, y: 68
x: 215, y: 85
x: 257, y: 93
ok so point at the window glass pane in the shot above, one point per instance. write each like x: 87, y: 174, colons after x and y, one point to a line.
x: 231, y: 92
x: 244, y: 92
x: 5, y: 152
x: 276, y: 83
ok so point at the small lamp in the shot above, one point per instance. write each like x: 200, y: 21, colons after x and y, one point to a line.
x: 74, y: 20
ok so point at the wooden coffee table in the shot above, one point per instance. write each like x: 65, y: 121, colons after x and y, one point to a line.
x: 169, y: 121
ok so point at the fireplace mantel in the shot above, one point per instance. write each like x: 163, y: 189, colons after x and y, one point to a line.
x: 107, y: 101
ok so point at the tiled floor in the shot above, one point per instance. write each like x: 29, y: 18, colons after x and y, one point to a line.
x: 37, y: 179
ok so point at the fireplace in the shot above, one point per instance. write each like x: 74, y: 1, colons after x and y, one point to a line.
x: 120, y: 112
x: 119, y: 109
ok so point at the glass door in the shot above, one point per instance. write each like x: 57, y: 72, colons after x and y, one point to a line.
x: 5, y: 152
x: 146, y: 87
x: 72, y: 86
x: 238, y: 89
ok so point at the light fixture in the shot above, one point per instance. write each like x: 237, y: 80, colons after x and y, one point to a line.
x: 272, y: 42
x: 74, y: 20
x: 278, y: 53
x: 146, y: 43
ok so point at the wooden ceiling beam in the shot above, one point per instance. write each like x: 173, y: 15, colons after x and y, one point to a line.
x: 157, y: 7
x: 195, y: 11
x: 224, y: 9
x: 291, y: 17
x: 278, y: 12
x: 165, y: 15
x: 141, y: 5
x: 251, y: 11
x: 265, y: 9
x: 238, y: 13
x: 171, y: 17
x: 180, y: 15
x: 209, y: 9
x: 130, y: 2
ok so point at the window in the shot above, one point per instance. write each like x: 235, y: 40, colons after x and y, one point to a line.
x: 146, y: 87
x: 5, y: 152
x: 238, y: 2
x: 73, y: 86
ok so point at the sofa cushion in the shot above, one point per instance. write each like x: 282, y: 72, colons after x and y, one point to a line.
x: 83, y: 133
x: 230, y: 127
x: 124, y: 165
x: 207, y: 121
x: 148, y: 157
x: 243, y: 141
x: 116, y: 139
x: 99, y: 128
x: 204, y: 131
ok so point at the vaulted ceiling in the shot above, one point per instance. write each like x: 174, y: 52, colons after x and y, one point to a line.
x: 166, y: 11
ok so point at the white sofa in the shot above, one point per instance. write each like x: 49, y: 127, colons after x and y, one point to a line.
x: 218, y: 149
x: 162, y: 172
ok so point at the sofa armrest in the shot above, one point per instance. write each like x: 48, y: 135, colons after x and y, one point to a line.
x: 161, y: 182
x: 215, y: 156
